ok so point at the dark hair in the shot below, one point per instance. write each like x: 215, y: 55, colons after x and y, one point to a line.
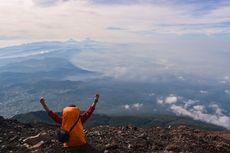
x: 72, y: 105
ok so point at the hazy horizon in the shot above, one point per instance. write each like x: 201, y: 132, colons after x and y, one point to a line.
x: 190, y: 37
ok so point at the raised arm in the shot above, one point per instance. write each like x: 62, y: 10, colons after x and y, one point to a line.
x: 52, y: 114
x: 89, y: 111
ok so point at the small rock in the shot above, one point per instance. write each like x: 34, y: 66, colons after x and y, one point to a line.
x: 106, y: 151
x: 11, y: 132
x: 26, y: 145
x: 119, y: 132
x: 13, y: 138
x: 130, y: 146
x: 38, y: 145
x: 3, y: 146
x: 53, y: 140
x: 143, y: 135
x: 97, y: 133
x: 111, y: 146
x: 172, y: 148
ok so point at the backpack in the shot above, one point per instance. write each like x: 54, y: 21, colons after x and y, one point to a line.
x: 63, y: 135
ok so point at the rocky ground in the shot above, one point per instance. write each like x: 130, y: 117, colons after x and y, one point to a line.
x: 22, y: 138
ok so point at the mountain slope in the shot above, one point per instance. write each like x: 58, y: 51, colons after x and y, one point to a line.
x: 18, y: 137
x: 41, y: 69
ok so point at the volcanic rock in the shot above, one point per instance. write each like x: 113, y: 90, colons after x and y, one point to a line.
x: 17, y: 137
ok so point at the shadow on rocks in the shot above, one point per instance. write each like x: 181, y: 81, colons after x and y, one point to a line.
x: 87, y: 148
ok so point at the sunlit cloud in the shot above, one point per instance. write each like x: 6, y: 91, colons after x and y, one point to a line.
x: 211, y: 113
x: 200, y: 108
x: 64, y: 19
x: 127, y: 107
x: 160, y: 101
x: 216, y: 109
x: 46, y: 3
x: 199, y: 114
x: 171, y: 100
x: 137, y: 106
x: 2, y: 37
x: 189, y: 103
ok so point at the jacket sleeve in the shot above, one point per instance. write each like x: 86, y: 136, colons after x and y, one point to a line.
x: 87, y: 114
x: 55, y: 117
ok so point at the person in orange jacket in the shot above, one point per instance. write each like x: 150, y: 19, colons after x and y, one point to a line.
x: 69, y: 116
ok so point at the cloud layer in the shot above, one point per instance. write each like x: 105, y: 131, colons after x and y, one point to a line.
x: 166, y: 37
x: 198, y: 113
x: 112, y: 20
x: 211, y: 114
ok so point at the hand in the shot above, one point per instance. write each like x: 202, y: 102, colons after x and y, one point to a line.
x: 96, y: 98
x: 42, y: 100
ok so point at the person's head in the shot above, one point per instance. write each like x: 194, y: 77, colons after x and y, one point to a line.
x: 72, y: 106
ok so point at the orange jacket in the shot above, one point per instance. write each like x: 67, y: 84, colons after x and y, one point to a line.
x: 69, y: 117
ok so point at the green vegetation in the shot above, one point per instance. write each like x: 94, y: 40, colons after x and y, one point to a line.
x: 139, y: 121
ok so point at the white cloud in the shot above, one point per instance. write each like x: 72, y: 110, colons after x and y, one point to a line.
x: 227, y: 78
x: 189, y: 103
x: 117, y: 72
x: 136, y: 106
x: 203, y: 91
x: 46, y: 2
x: 180, y: 110
x: 200, y: 108
x: 181, y: 78
x: 160, y: 101
x: 74, y: 19
x: 217, y: 109
x: 198, y: 113
x: 168, y: 100
x: 127, y: 107
x: 152, y: 94
x: 171, y: 100
x: 34, y: 53
x: 157, y: 43
x: 227, y: 92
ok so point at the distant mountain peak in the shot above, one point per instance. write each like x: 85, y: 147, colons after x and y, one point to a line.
x: 71, y: 40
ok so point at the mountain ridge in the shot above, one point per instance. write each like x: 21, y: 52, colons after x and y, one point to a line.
x: 145, y: 121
